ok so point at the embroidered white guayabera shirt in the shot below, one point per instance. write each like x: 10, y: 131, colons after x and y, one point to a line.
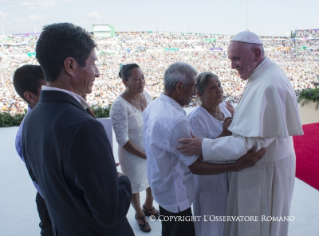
x: 171, y: 181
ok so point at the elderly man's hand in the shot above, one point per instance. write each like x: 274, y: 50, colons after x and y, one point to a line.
x: 190, y: 146
x: 250, y: 159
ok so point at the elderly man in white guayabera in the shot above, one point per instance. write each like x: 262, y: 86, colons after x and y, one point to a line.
x: 267, y: 116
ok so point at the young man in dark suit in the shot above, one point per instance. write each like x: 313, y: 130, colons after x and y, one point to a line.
x: 27, y: 81
x: 66, y: 150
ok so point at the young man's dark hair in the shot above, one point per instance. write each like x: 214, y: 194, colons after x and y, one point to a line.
x: 27, y: 78
x: 65, y: 40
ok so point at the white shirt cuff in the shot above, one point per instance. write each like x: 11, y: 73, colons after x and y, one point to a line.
x: 228, y: 148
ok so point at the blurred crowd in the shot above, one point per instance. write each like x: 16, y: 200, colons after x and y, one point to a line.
x: 154, y: 52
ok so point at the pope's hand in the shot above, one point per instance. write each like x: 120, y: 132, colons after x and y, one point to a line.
x: 250, y: 159
x: 190, y: 146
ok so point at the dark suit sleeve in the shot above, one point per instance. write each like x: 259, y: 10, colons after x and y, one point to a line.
x: 23, y: 155
x: 90, y: 165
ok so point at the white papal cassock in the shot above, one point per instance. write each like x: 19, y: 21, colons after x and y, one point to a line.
x: 267, y: 116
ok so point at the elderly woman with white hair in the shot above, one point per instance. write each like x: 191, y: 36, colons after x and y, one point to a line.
x: 210, y: 120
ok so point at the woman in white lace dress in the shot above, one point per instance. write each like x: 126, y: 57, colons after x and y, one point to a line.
x: 127, y: 120
x: 210, y: 120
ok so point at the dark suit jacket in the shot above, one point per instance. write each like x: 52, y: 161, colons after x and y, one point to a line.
x: 68, y: 154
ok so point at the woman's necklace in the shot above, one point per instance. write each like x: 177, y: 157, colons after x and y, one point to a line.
x: 219, y: 115
x: 135, y: 105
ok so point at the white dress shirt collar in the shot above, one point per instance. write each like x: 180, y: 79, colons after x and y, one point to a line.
x: 173, y: 102
x: 77, y: 97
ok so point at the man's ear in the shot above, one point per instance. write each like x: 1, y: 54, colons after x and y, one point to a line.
x: 69, y: 65
x: 30, y: 97
x: 257, y: 53
x: 179, y: 86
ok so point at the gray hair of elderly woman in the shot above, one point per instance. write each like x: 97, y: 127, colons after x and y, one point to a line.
x: 176, y: 72
x: 202, y: 81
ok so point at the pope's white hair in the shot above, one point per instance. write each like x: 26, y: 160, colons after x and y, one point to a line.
x: 178, y: 72
x: 253, y: 46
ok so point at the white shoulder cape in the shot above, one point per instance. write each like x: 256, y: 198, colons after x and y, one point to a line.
x: 268, y: 107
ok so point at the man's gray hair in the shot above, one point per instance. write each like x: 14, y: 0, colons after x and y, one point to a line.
x: 202, y: 81
x: 176, y: 72
x: 253, y: 46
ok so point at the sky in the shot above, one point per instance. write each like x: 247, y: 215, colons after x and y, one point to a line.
x: 266, y: 18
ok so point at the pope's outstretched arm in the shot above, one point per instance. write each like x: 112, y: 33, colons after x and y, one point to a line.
x: 228, y: 148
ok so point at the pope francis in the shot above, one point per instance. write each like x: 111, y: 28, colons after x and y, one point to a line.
x: 267, y: 116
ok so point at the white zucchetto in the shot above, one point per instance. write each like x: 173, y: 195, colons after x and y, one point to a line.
x: 247, y: 37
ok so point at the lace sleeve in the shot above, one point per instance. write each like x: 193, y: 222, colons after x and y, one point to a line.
x: 119, y: 119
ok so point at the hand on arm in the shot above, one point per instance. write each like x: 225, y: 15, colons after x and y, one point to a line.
x: 250, y: 159
x: 230, y: 148
x: 190, y: 146
x: 246, y: 161
x: 204, y: 168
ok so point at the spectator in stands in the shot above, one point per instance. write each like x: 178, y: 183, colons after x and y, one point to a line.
x: 298, y: 57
